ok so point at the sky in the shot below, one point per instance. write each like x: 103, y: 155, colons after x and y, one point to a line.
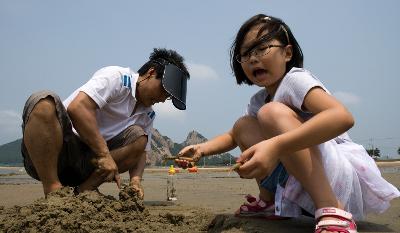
x: 351, y: 46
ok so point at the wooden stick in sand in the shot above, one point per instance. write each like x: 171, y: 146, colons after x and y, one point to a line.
x: 236, y: 167
x: 176, y: 157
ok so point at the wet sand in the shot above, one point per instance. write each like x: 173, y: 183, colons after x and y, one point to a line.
x: 206, y: 202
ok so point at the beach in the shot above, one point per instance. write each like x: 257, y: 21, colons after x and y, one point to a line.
x: 206, y: 201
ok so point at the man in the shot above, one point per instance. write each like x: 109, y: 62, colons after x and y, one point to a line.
x: 103, y: 128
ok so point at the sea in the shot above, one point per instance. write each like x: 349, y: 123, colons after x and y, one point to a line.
x: 11, y: 168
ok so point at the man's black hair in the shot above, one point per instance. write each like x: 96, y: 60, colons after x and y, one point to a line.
x: 160, y: 56
x: 276, y: 30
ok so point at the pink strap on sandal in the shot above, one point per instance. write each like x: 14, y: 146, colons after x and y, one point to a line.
x: 344, y: 222
x: 255, y: 207
x: 250, y: 198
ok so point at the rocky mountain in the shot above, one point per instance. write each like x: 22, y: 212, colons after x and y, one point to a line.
x: 161, y: 146
x: 194, y: 138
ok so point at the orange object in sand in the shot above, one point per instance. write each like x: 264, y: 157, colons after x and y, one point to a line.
x: 193, y: 169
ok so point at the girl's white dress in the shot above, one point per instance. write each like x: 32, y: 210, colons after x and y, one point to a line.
x: 352, y: 173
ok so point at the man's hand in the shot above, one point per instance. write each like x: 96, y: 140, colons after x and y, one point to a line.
x: 108, y: 169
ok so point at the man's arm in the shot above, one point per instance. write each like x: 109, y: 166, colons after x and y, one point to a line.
x: 82, y: 111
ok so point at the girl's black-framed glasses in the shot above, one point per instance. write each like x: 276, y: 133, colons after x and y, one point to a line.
x: 259, y: 51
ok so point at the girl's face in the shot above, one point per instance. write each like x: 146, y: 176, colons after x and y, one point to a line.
x: 266, y: 63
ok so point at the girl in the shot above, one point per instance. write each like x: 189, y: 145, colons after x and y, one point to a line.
x: 293, y: 137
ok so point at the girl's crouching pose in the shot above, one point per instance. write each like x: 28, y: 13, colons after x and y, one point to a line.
x: 293, y: 137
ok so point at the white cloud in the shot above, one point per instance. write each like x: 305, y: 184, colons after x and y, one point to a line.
x: 202, y: 72
x: 10, y: 125
x: 167, y: 110
x: 347, y: 98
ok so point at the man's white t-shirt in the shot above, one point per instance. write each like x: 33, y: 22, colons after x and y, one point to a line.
x: 113, y: 90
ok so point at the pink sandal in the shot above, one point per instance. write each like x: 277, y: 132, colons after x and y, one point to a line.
x: 255, y: 207
x: 344, y: 222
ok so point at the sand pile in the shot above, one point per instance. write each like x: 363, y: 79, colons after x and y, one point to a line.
x: 92, y: 211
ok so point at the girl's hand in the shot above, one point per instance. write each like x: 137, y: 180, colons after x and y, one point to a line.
x: 193, y: 154
x: 193, y: 151
x: 259, y: 160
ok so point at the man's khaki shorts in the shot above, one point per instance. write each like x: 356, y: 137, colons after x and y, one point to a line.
x: 74, y: 160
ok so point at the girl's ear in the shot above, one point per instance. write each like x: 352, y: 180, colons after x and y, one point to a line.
x: 288, y: 52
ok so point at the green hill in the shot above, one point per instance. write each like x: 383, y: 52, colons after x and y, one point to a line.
x: 10, y: 153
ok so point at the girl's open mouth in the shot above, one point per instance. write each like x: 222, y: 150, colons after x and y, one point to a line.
x: 259, y: 72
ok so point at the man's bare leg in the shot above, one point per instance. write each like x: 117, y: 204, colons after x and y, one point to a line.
x: 43, y: 140
x: 136, y: 174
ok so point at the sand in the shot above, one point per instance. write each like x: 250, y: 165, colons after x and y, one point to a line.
x: 206, y: 203
x: 92, y: 211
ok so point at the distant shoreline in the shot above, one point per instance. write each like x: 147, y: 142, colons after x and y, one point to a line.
x: 391, y: 163
x: 381, y: 163
x: 11, y: 167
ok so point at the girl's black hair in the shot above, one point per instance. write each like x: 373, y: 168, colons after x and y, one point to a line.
x: 278, y: 30
x: 159, y: 58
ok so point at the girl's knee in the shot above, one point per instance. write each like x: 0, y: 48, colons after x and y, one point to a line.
x: 243, y: 124
x: 246, y: 132
x: 271, y: 114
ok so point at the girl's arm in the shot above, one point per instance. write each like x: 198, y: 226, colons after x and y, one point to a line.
x: 330, y: 120
x: 217, y: 145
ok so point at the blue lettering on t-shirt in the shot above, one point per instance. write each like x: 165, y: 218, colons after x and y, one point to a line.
x: 126, y: 81
x: 151, y: 114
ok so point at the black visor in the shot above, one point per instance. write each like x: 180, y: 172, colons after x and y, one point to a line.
x: 174, y: 82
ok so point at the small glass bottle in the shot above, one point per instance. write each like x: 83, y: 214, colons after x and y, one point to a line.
x: 171, y: 179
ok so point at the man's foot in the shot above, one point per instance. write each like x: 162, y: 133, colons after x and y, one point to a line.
x: 137, y: 185
x: 48, y: 188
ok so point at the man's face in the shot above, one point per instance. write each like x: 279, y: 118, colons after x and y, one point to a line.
x: 153, y: 92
